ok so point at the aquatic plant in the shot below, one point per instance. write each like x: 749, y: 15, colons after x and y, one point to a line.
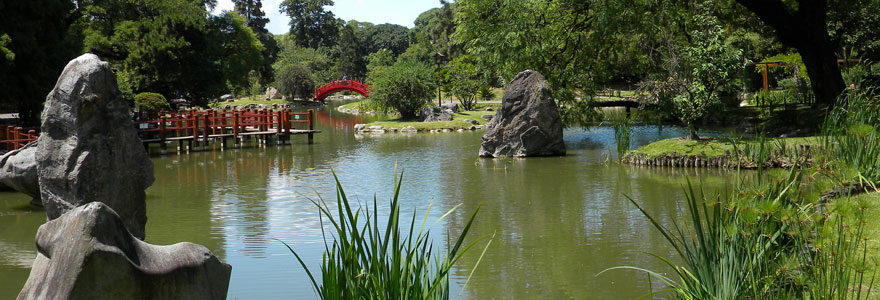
x: 850, y: 133
x: 623, y: 126
x: 766, y: 241
x: 366, y: 261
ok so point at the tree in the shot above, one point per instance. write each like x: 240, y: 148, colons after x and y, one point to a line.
x: 310, y: 25
x: 252, y: 11
x: 405, y: 87
x: 240, y: 49
x: 557, y: 38
x: 804, y: 27
x: 295, y: 81
x: 350, y: 61
x: 298, y: 69
x: 466, y: 80
x: 37, y: 38
x: 379, y: 59
x: 392, y: 37
x: 701, y: 72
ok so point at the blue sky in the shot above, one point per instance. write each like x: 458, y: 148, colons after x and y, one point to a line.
x: 401, y: 12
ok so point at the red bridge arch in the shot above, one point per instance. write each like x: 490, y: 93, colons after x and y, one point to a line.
x: 342, y: 85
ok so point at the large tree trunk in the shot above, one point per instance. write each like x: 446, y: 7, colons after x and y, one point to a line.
x: 804, y: 30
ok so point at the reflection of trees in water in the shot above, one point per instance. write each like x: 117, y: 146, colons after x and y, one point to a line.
x: 558, y: 224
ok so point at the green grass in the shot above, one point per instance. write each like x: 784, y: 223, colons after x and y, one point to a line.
x: 249, y: 100
x: 456, y: 123
x: 711, y: 148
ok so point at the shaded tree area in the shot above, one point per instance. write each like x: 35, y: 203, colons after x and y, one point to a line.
x: 252, y: 11
x: 172, y: 47
x: 37, y: 38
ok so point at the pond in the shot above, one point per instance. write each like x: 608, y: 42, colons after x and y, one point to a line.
x: 556, y: 222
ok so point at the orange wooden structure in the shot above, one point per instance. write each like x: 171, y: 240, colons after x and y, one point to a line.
x: 195, y: 127
x: 12, y: 137
x: 342, y: 85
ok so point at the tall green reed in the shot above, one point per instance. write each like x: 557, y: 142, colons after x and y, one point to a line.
x: 850, y: 132
x: 369, y: 261
x: 623, y: 126
x: 765, y: 241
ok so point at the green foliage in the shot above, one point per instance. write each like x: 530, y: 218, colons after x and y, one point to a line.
x: 405, y: 87
x: 295, y: 81
x: 252, y: 11
x: 6, y: 55
x: 466, y: 80
x: 766, y: 241
x: 310, y: 25
x: 702, y: 71
x: 369, y: 260
x: 851, y: 133
x: 241, y: 50
x: 350, y: 61
x: 559, y: 39
x: 623, y: 126
x: 299, y: 69
x: 37, y: 38
x: 151, y: 103
x: 379, y: 59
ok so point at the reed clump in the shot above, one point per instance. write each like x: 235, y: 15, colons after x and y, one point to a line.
x: 369, y: 260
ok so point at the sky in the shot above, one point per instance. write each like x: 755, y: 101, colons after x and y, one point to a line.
x: 401, y: 12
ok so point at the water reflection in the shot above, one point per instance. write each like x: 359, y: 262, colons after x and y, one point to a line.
x: 557, y: 221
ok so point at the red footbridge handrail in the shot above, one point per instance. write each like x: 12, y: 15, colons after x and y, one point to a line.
x: 12, y: 137
x: 342, y: 85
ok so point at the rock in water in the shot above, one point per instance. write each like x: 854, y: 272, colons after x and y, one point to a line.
x: 528, y: 122
x: 88, y: 149
x: 88, y: 253
x: 18, y: 170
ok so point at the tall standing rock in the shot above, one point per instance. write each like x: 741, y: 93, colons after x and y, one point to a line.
x: 528, y: 122
x: 88, y: 253
x: 88, y: 149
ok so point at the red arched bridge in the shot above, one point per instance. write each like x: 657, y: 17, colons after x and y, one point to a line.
x: 342, y: 85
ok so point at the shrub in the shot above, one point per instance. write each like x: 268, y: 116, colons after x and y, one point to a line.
x: 368, y: 260
x: 151, y: 103
x: 405, y: 87
x: 295, y: 80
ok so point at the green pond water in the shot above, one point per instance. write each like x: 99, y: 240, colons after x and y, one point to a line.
x: 557, y: 221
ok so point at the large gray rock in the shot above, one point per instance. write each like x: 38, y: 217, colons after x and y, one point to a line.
x: 18, y: 170
x: 88, y: 149
x: 451, y: 106
x: 435, y: 114
x: 87, y: 253
x: 528, y: 122
x: 272, y: 93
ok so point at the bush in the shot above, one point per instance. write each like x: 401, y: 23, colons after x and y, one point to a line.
x: 151, y: 103
x: 295, y: 80
x: 405, y: 87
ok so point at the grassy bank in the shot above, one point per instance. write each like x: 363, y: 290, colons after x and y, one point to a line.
x: 716, y: 147
x: 248, y: 101
x: 456, y: 123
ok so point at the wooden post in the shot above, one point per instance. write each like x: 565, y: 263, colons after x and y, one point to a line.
x: 32, y: 135
x: 234, y: 128
x: 162, y: 145
x: 18, y: 137
x: 764, y: 74
x: 310, y: 119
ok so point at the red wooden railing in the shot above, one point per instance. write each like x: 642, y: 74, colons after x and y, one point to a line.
x: 12, y: 137
x: 342, y: 85
x: 211, y: 123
